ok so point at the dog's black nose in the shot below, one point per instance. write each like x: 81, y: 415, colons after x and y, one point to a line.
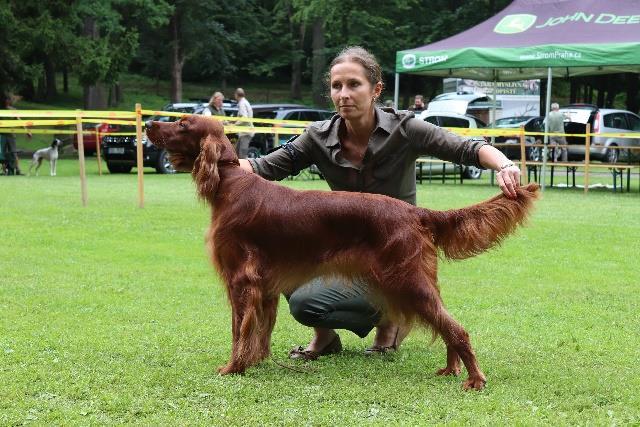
x: 148, y: 124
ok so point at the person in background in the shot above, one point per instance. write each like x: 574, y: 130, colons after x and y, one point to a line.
x: 366, y: 149
x: 556, y: 125
x: 10, y: 138
x: 244, y: 110
x: 215, y: 105
x: 418, y: 104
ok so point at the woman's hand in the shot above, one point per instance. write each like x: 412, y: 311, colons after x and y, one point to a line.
x: 508, y: 173
x: 509, y: 179
x: 245, y: 165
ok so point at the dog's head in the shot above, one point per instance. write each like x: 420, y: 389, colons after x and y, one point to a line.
x: 56, y: 143
x: 195, y: 144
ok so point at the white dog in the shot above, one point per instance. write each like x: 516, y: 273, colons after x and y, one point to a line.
x: 50, y: 153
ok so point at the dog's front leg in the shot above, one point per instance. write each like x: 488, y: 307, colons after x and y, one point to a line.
x: 52, y: 166
x: 269, y: 311
x: 247, y: 329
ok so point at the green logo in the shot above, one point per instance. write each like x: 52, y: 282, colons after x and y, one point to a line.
x: 512, y: 24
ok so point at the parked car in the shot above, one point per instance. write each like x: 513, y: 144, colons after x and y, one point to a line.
x: 89, y: 138
x: 119, y: 151
x: 531, y: 124
x: 602, y: 121
x: 261, y: 143
x: 453, y: 120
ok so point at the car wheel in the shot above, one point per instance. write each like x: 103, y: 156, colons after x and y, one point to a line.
x: 472, y: 172
x: 164, y: 164
x: 253, y: 153
x: 611, y: 155
x: 118, y: 168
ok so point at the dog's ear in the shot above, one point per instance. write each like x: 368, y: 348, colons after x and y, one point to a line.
x: 205, y: 170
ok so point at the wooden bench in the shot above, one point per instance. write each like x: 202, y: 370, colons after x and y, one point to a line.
x: 617, y: 170
x: 423, y: 161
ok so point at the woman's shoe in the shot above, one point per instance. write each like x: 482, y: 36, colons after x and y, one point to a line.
x: 401, y: 334
x: 335, y: 346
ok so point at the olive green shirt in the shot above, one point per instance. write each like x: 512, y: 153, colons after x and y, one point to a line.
x: 388, y: 166
x: 556, y: 122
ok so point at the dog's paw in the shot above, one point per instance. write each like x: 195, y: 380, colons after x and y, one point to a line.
x: 449, y: 371
x: 476, y: 383
x: 230, y: 368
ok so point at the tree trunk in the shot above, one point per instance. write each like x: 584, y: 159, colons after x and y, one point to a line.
x: 318, y: 63
x: 51, y: 89
x: 95, y: 96
x: 632, y: 89
x: 65, y: 79
x: 177, y: 58
x: 297, y: 46
x: 574, y: 90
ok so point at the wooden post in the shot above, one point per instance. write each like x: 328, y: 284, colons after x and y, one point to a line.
x: 523, y: 156
x: 98, y: 150
x: 139, y: 154
x: 83, y: 175
x: 587, y: 155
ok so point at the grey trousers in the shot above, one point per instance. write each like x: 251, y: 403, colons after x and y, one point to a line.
x: 242, y: 146
x: 336, y: 303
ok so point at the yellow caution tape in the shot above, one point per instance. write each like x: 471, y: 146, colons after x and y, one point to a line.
x: 68, y: 113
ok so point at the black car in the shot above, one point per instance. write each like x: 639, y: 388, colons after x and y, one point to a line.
x: 531, y: 124
x: 119, y: 151
x: 261, y: 143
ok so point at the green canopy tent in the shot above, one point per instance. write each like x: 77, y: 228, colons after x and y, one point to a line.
x: 536, y: 39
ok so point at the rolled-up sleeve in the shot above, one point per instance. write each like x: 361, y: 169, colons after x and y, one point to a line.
x: 288, y: 160
x: 431, y: 140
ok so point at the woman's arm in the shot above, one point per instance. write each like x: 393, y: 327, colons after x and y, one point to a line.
x: 508, y: 174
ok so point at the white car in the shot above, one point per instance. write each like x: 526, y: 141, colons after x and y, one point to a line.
x: 602, y: 121
x: 454, y: 120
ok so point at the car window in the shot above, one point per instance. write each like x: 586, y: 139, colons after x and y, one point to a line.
x: 453, y: 122
x: 634, y: 122
x: 433, y: 120
x: 265, y: 115
x: 535, y: 125
x: 310, y: 116
x: 292, y: 115
x: 615, y: 120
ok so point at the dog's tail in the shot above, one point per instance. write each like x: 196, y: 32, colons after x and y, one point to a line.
x: 463, y: 233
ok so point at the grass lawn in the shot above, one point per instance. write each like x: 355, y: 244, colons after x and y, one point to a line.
x: 111, y: 314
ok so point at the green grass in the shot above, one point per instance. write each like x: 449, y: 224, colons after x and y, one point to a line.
x: 111, y: 314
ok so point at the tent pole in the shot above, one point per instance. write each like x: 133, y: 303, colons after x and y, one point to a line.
x: 494, y: 106
x: 546, y: 129
x: 396, y: 91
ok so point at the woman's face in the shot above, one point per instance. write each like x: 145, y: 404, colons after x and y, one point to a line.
x: 217, y: 101
x: 351, y: 92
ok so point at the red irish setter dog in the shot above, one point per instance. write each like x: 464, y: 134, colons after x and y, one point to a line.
x: 266, y: 239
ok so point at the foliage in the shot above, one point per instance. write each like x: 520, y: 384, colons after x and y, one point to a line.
x: 111, y: 314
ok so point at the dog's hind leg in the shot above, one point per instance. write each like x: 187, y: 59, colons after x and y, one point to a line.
x: 428, y: 306
x: 38, y: 165
x: 52, y: 167
x: 456, y: 339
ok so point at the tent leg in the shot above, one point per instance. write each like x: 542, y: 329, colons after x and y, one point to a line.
x: 546, y: 130
x: 396, y: 92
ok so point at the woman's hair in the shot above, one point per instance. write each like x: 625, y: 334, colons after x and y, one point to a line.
x: 360, y: 56
x: 215, y: 94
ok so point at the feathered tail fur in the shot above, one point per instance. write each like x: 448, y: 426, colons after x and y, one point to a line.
x: 463, y: 233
